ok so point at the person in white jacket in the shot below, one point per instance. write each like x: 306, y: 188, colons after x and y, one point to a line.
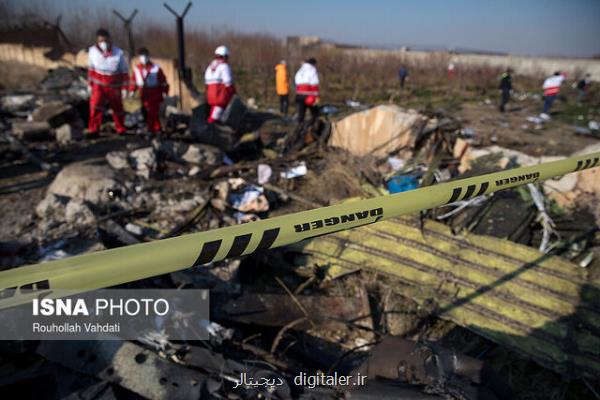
x: 551, y: 88
x: 219, y: 84
x: 307, y: 90
x: 108, y: 77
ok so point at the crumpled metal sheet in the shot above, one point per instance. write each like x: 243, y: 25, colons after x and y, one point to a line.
x: 127, y: 365
x: 437, y: 369
x: 215, y: 363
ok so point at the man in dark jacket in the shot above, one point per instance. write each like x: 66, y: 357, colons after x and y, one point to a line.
x: 505, y: 88
x: 582, y: 87
x: 402, y: 74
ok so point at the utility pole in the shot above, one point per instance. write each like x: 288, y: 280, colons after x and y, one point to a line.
x: 184, y: 72
x: 59, y: 32
x: 127, y: 23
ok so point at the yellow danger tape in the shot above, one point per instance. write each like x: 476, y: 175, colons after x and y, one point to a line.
x: 126, y: 264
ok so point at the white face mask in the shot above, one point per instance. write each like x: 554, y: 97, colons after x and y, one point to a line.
x: 103, y: 46
x: 144, y: 59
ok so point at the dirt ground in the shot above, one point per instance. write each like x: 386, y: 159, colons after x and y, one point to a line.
x: 512, y: 130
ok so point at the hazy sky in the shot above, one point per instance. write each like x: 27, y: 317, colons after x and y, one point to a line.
x: 537, y: 27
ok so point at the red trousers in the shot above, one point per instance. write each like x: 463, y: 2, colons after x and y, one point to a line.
x: 151, y: 106
x: 101, y: 97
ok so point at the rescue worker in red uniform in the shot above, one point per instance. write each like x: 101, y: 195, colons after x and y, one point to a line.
x: 307, y: 90
x: 108, y: 75
x: 152, y: 84
x: 219, y: 84
x: 551, y: 89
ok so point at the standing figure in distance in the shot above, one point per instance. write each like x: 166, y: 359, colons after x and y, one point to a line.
x: 402, y: 74
x: 108, y: 75
x: 505, y: 88
x: 307, y: 90
x: 451, y: 70
x: 582, y: 87
x: 218, y: 79
x: 152, y: 84
x: 282, y: 87
x: 551, y: 88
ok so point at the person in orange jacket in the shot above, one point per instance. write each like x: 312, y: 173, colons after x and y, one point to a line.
x: 152, y: 84
x: 282, y: 87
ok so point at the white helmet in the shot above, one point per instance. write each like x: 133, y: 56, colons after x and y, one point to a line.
x: 222, y: 51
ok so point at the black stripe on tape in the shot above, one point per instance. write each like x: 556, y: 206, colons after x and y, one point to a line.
x: 595, y: 162
x: 587, y: 163
x: 39, y: 285
x: 268, y: 238
x: 8, y: 292
x: 239, y: 245
x: 483, y: 188
x: 455, y: 195
x: 579, y: 165
x: 470, y: 191
x: 209, y: 251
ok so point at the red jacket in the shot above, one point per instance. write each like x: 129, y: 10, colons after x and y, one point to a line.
x: 107, y: 69
x: 307, y: 80
x: 307, y: 83
x: 150, y: 79
x: 552, y: 85
x: 219, y: 83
